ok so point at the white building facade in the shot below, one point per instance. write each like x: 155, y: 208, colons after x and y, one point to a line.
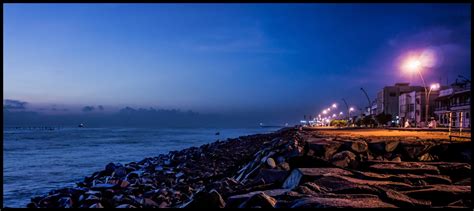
x: 453, y: 106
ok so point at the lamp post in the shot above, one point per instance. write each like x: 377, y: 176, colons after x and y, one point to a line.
x: 415, y: 65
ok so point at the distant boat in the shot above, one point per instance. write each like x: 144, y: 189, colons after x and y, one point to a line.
x: 81, y: 125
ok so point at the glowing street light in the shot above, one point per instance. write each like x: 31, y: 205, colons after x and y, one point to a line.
x: 325, y: 112
x: 334, y: 105
x: 340, y: 113
x: 434, y: 86
x: 334, y: 115
x: 415, y: 63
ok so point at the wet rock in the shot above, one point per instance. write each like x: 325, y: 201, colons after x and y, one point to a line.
x: 261, y: 200
x: 301, y: 175
x: 271, y: 163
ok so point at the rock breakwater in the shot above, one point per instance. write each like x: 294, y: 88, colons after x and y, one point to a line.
x: 289, y: 168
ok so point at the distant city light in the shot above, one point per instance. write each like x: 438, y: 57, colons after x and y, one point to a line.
x: 334, y: 105
x: 340, y: 113
x: 351, y: 109
x: 334, y: 115
x: 324, y: 112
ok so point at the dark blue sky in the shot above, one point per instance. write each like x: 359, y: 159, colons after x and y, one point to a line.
x: 268, y: 59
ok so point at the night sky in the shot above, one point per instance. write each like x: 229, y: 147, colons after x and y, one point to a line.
x: 273, y: 60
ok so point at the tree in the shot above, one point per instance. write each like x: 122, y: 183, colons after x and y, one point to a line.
x: 338, y: 123
x: 368, y: 121
x: 383, y: 118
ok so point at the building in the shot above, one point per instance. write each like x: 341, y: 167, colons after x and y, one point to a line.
x: 412, y: 107
x: 388, y: 98
x: 453, y: 106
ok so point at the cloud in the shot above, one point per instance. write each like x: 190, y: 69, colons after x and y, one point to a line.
x: 88, y: 108
x: 14, y: 104
x: 100, y: 107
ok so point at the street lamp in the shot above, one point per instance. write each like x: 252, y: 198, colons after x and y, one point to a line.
x: 415, y: 64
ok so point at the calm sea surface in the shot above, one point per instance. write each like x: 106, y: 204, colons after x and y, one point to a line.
x: 38, y: 161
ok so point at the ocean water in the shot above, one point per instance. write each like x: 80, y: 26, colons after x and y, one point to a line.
x: 38, y: 161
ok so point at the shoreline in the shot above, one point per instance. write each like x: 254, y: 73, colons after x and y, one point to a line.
x: 284, y: 168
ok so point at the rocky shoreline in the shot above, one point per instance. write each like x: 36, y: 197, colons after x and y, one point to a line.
x: 288, y: 168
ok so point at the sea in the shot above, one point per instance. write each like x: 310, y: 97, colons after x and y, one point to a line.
x: 36, y: 161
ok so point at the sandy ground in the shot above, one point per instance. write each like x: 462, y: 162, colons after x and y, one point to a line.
x: 437, y: 135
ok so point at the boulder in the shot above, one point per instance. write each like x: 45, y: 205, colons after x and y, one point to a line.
x: 402, y: 200
x: 359, y: 146
x: 271, y: 163
x: 237, y: 200
x: 414, y: 149
x: 441, y: 195
x: 285, y: 166
x: 323, y: 148
x: 406, y: 178
x: 301, y: 175
x: 334, y: 182
x: 361, y: 201
x: 308, y: 162
x: 404, y: 168
x: 260, y: 200
x: 344, y: 159
x: 383, y: 146
x: 273, y: 176
x: 207, y: 200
